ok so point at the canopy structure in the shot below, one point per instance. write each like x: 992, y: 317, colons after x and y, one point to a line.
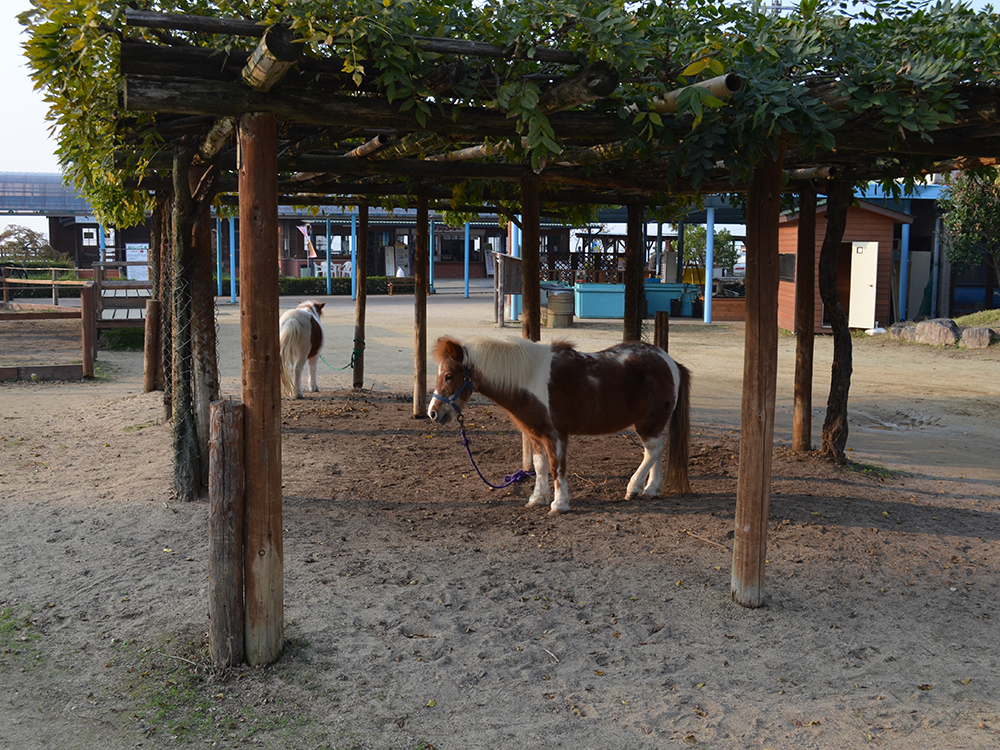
x: 646, y: 110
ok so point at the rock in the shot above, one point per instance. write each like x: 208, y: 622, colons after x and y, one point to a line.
x: 977, y: 338
x: 938, y: 332
x: 903, y: 330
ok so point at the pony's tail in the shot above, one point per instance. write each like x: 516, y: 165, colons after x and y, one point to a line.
x: 287, y: 348
x: 679, y: 434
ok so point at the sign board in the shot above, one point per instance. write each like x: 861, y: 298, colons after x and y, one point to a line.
x: 137, y: 252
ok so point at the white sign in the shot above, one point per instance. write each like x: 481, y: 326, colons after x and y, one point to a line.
x: 137, y: 252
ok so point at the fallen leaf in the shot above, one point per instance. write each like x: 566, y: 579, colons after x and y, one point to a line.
x: 431, y: 703
x: 923, y: 687
x: 599, y: 673
x: 966, y: 681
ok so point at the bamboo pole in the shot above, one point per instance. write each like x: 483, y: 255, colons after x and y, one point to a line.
x: 753, y: 491
x: 720, y: 87
x: 361, y: 302
x: 420, y: 273
x: 261, y: 388
x: 270, y: 62
x: 805, y: 321
x: 367, y: 149
x: 225, y: 535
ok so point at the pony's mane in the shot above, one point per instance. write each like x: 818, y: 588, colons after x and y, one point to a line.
x: 510, y: 363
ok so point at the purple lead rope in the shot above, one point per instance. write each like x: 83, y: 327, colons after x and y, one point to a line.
x: 508, y: 480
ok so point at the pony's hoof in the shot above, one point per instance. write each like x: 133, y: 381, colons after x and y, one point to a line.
x: 535, y: 501
x: 558, y: 511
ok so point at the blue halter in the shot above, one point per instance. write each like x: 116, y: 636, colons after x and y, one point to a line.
x: 452, y: 400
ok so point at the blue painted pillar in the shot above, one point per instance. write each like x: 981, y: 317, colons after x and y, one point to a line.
x: 904, y: 265
x: 515, y: 250
x: 218, y: 256
x: 430, y: 257
x: 232, y: 259
x: 329, y: 281
x: 354, y: 256
x: 468, y: 250
x: 709, y: 260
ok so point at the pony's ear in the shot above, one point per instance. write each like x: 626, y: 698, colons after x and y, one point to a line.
x: 447, y: 348
x: 320, y: 306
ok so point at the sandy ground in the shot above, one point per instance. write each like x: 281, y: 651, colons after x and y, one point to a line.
x: 425, y: 610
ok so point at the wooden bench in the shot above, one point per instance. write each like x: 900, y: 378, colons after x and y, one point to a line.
x: 402, y: 285
x: 122, y: 304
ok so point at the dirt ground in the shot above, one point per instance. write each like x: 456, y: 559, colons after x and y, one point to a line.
x: 425, y: 610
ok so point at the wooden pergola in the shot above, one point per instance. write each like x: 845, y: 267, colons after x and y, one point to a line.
x: 273, y: 125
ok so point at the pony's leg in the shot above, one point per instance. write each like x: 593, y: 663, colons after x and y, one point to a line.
x: 313, y: 383
x: 541, y: 495
x: 651, y: 466
x: 557, y: 455
x: 299, y: 364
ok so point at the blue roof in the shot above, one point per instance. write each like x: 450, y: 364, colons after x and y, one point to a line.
x: 39, y: 194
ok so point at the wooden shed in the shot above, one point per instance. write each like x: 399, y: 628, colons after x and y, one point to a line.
x: 864, y: 270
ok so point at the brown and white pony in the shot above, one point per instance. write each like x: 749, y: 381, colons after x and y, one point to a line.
x: 301, y: 337
x: 552, y: 391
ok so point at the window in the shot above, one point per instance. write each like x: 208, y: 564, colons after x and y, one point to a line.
x: 786, y: 266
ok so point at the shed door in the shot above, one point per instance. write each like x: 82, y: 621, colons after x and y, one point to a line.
x: 864, y: 269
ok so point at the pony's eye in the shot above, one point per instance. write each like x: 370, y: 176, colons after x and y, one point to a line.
x: 448, y: 377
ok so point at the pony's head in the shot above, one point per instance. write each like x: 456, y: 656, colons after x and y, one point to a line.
x: 454, y: 385
x: 314, y: 306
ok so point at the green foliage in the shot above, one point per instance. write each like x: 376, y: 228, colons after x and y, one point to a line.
x: 339, y: 286
x: 971, y: 209
x: 899, y: 65
x: 724, y: 252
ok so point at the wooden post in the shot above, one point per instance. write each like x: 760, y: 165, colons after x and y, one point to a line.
x: 805, y: 321
x: 661, y: 329
x: 361, y: 302
x: 634, y: 247
x: 531, y: 291
x: 55, y: 288
x: 263, y: 572
x: 88, y: 321
x: 420, y: 271
x: 151, y: 346
x: 753, y: 490
x: 225, y: 534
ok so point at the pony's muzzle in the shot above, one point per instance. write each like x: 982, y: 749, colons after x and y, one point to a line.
x: 438, y: 411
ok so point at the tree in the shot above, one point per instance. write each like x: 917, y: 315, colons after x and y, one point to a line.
x: 971, y: 209
x: 19, y: 243
x: 724, y: 253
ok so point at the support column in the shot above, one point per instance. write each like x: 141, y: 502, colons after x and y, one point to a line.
x: 261, y: 389
x: 709, y: 261
x: 805, y: 321
x: 420, y: 311
x: 531, y: 304
x: 361, y: 298
x: 634, y: 298
x: 753, y: 491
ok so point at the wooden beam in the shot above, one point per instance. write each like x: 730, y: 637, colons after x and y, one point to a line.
x: 176, y: 95
x: 261, y: 389
x: 420, y: 277
x: 149, y: 19
x: 805, y: 321
x: 753, y: 491
x: 594, y: 81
